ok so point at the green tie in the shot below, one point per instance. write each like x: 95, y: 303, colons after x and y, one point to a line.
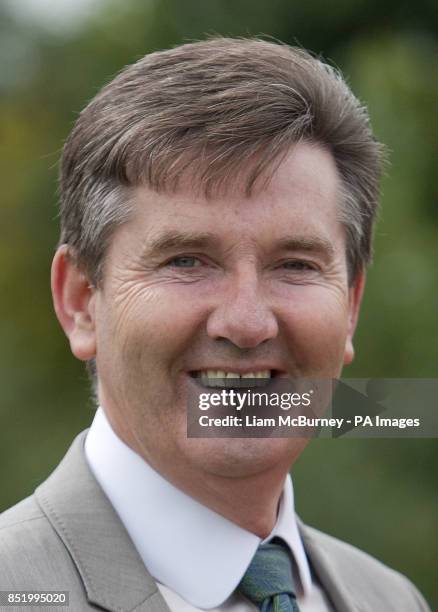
x: 268, y: 581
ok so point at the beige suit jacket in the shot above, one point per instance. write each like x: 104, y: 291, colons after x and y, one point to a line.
x: 67, y: 537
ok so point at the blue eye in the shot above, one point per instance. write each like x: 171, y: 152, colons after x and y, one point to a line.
x: 184, y: 261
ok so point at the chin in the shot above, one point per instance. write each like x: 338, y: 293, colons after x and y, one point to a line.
x: 243, y: 457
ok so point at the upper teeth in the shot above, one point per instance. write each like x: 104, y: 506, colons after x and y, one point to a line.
x: 220, y: 378
x: 222, y: 374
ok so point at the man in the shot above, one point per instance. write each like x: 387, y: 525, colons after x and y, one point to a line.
x: 217, y: 209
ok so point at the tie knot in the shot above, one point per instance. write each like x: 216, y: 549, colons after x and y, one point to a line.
x: 269, y: 574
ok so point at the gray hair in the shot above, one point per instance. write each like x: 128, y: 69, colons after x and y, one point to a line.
x: 217, y: 110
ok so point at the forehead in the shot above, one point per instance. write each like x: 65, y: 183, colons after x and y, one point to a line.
x: 301, y: 196
x: 307, y: 168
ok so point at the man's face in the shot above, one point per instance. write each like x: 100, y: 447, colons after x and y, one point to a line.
x: 234, y: 284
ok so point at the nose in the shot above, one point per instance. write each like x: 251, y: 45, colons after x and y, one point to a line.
x: 243, y: 314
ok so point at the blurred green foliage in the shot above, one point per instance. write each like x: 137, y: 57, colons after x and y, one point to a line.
x: 378, y: 494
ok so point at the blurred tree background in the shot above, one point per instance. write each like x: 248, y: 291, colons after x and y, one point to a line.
x: 377, y: 494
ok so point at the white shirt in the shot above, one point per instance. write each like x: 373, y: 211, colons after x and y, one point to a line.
x: 196, y: 556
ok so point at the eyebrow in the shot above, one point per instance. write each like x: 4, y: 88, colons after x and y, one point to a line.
x: 174, y: 240
x: 309, y: 244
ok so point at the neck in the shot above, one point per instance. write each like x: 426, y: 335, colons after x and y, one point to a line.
x: 250, y: 502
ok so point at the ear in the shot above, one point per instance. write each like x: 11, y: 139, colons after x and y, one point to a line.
x: 74, y: 301
x: 354, y: 302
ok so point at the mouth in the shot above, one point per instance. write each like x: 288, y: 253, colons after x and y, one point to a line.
x: 228, y: 378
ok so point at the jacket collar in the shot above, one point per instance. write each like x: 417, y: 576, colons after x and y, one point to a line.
x: 85, y: 521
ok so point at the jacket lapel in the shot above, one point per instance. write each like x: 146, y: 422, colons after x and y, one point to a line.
x: 324, y: 563
x: 112, y: 571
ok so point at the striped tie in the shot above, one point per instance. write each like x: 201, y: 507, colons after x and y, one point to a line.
x: 268, y: 581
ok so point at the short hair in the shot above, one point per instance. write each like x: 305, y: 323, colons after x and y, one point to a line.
x: 218, y: 111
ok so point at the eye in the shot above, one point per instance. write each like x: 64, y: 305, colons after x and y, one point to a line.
x: 185, y: 261
x: 298, y: 265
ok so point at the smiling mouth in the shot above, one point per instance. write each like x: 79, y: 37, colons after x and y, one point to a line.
x: 229, y: 379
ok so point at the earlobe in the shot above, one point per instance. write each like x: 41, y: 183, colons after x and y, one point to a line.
x: 355, y: 300
x: 74, y: 302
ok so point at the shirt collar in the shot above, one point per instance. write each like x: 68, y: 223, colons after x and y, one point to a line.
x: 196, y: 552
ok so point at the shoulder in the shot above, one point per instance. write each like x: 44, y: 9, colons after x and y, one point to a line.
x: 366, y: 578
x: 31, y: 554
x: 23, y: 526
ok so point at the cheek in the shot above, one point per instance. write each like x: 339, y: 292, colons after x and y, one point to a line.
x: 317, y: 325
x: 154, y: 328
